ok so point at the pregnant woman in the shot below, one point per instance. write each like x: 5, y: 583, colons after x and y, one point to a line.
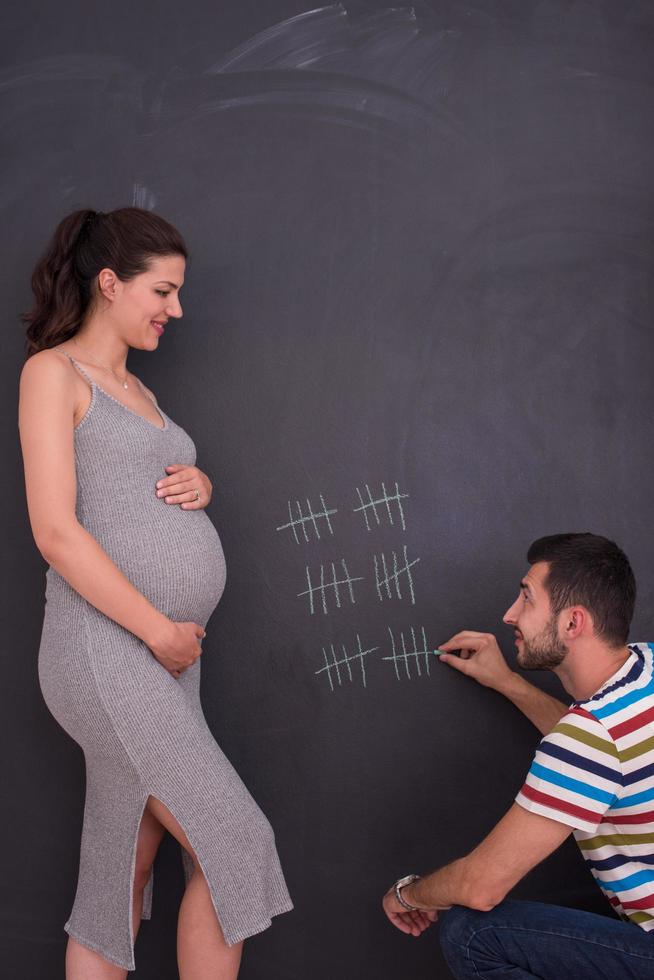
x: 136, y: 568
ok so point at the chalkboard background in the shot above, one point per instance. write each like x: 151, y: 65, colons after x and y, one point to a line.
x: 422, y: 266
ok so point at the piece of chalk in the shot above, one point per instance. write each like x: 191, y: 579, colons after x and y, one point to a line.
x: 439, y: 652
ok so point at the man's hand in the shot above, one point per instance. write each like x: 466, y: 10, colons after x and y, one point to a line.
x: 483, y: 878
x: 480, y: 658
x: 180, y: 486
x: 412, y: 923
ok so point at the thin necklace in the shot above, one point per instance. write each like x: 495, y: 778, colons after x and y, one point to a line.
x: 106, y: 366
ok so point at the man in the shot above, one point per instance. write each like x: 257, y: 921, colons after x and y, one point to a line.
x: 593, y: 775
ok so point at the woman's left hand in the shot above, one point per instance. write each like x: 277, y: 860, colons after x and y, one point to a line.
x: 181, y: 485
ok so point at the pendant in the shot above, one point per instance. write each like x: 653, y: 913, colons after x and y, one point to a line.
x: 124, y: 384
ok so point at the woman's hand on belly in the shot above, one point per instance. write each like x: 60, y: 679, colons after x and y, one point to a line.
x: 185, y: 485
x: 178, y: 646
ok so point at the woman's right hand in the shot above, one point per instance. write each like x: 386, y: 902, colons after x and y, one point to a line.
x: 178, y: 647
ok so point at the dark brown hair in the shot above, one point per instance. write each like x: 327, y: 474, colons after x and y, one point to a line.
x: 84, y: 242
x: 589, y: 570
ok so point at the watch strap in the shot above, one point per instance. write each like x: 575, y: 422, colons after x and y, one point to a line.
x: 399, y: 884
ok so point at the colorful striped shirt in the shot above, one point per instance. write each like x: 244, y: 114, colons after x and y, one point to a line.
x: 595, y: 772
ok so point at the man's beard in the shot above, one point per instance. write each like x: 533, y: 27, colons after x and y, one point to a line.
x: 544, y: 651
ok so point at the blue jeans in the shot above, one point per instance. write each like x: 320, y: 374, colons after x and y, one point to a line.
x: 524, y: 940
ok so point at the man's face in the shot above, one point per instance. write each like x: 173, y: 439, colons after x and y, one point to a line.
x: 535, y: 626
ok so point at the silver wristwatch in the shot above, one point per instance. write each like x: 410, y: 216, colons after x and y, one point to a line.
x: 399, y: 884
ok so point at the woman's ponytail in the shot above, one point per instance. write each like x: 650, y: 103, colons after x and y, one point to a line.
x: 59, y: 304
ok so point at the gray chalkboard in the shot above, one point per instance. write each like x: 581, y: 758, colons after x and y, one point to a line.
x: 417, y: 335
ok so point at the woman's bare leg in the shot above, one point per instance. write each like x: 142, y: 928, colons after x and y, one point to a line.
x: 202, y: 952
x: 201, y: 948
x: 83, y: 963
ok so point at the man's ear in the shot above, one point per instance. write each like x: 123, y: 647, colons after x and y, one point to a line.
x: 576, y: 620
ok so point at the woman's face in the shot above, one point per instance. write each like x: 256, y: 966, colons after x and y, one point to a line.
x: 142, y: 306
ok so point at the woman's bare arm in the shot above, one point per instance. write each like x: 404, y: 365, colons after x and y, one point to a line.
x: 45, y: 420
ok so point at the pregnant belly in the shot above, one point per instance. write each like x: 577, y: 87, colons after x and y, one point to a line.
x: 173, y: 556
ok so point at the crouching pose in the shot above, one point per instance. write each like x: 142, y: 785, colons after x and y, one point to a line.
x: 592, y: 775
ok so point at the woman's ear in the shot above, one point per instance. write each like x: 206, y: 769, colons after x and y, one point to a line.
x: 108, y: 283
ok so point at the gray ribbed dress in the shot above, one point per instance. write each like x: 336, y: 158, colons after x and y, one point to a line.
x: 143, y: 731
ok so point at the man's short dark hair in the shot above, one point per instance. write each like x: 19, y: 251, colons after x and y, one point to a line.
x: 589, y: 570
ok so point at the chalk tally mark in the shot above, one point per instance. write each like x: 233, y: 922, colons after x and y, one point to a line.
x: 372, y: 507
x: 298, y: 519
x: 404, y: 654
x: 143, y: 197
x: 388, y: 575
x: 336, y: 669
x: 330, y: 584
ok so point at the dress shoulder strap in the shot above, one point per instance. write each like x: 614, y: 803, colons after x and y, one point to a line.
x: 78, y: 366
x: 146, y: 393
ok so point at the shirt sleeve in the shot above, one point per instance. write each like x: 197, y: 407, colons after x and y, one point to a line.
x: 576, y: 773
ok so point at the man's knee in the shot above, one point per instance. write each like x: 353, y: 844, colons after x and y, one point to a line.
x: 457, y: 926
x: 459, y: 930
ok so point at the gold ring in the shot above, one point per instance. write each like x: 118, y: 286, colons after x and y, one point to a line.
x: 197, y: 494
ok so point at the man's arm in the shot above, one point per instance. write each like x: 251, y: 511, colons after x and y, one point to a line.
x: 485, y: 876
x: 481, y: 659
